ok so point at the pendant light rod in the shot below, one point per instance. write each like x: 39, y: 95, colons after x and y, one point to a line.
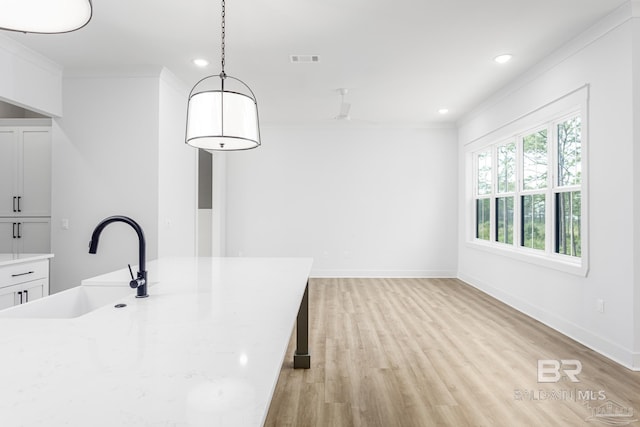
x: 223, y: 31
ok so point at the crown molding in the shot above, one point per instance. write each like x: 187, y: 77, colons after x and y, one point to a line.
x: 601, y: 28
x: 14, y: 48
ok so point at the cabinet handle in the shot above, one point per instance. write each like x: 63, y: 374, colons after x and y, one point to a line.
x: 14, y: 230
x: 19, y: 235
x: 14, y: 204
x: 26, y: 296
x: 22, y: 274
x: 20, y: 295
x: 19, y: 197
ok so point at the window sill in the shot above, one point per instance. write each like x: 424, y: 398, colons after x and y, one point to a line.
x: 564, y: 263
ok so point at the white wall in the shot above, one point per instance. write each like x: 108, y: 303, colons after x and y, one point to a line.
x: 361, y: 202
x: 219, y: 204
x: 636, y: 182
x: 601, y: 58
x: 177, y: 173
x: 29, y: 79
x: 105, y: 162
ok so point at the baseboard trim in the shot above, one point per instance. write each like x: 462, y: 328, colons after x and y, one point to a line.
x: 620, y: 355
x: 392, y: 274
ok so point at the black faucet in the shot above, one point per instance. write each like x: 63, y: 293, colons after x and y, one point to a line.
x: 140, y: 283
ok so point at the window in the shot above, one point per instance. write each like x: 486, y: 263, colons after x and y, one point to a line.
x: 483, y: 215
x: 528, y: 191
x: 505, y: 189
x: 534, y: 183
x: 568, y: 194
x: 483, y: 202
x: 484, y: 173
x: 534, y: 160
x: 504, y: 219
x: 533, y: 221
x: 568, y: 223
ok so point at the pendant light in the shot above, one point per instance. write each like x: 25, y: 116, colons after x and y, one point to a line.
x: 222, y: 112
x: 44, y: 16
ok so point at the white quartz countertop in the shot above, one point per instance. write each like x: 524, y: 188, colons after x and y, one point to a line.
x: 205, y: 349
x: 9, y: 259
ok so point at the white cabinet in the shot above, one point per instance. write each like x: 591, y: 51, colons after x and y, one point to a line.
x: 8, y: 170
x: 25, y: 186
x: 23, y: 282
x: 22, y: 293
x: 25, y: 171
x: 25, y: 235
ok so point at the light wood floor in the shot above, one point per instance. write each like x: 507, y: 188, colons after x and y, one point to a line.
x: 436, y: 352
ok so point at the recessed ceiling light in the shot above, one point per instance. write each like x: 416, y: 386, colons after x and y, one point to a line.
x: 200, y: 62
x: 502, y: 59
x: 443, y: 110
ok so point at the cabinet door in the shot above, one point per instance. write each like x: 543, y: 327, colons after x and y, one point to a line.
x: 32, y: 291
x: 35, y: 236
x: 35, y: 177
x: 7, y: 297
x: 23, y: 293
x: 8, y: 171
x: 8, y: 244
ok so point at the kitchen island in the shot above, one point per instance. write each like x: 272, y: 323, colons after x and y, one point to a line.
x: 204, y: 349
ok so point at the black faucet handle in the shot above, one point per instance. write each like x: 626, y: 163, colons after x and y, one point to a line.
x: 136, y: 282
x: 133, y: 283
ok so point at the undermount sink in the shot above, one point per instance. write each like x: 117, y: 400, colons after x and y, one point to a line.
x: 68, y: 304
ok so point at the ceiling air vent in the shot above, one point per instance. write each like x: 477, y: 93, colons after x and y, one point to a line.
x: 304, y: 58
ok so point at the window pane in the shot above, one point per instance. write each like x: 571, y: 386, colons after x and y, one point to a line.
x: 533, y: 214
x: 569, y: 145
x: 483, y: 218
x: 484, y: 173
x: 568, y: 239
x: 504, y: 223
x: 506, y: 168
x: 534, y: 161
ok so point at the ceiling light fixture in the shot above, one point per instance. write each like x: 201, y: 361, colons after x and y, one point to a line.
x: 222, y: 112
x: 443, y: 110
x: 503, y: 59
x: 45, y: 16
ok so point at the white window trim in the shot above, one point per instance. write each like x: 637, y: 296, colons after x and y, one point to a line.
x: 575, y: 102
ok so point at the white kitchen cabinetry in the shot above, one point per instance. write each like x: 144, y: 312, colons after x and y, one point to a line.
x: 25, y: 186
x: 23, y: 293
x: 25, y: 165
x: 25, y: 235
x: 23, y: 282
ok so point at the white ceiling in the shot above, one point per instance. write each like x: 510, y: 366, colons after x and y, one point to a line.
x: 400, y: 60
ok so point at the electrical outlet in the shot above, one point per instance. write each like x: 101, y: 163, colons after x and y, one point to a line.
x: 600, y: 305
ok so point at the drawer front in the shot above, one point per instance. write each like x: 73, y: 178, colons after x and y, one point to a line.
x: 23, y: 272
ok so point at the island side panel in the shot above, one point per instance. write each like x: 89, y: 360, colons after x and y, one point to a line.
x: 302, y: 358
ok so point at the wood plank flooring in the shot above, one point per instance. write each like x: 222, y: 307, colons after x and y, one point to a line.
x: 437, y: 352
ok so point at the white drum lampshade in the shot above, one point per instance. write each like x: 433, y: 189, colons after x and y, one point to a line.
x: 45, y: 16
x: 223, y: 118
